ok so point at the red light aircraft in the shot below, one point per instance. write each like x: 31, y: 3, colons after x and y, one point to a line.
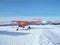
x: 23, y: 23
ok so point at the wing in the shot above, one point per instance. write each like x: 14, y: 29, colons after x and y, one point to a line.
x: 35, y: 21
x: 16, y: 20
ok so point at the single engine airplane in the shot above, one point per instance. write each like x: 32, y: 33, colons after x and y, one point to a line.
x: 23, y: 23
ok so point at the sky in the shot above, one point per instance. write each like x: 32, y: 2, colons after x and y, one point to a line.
x: 32, y: 8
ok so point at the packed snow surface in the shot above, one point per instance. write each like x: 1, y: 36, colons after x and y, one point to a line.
x: 37, y: 35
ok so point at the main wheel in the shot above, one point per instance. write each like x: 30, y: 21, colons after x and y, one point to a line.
x: 16, y: 29
x: 29, y: 27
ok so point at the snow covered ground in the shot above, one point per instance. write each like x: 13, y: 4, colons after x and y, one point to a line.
x: 37, y: 35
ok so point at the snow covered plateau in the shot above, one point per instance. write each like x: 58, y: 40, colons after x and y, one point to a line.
x: 37, y: 35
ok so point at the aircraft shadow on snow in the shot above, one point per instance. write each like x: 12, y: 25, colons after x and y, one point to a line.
x: 13, y: 33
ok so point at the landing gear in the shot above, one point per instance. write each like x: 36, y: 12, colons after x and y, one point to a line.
x: 29, y: 27
x: 23, y: 28
x: 17, y: 29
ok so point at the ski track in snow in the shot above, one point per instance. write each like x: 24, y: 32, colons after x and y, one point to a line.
x: 37, y: 35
